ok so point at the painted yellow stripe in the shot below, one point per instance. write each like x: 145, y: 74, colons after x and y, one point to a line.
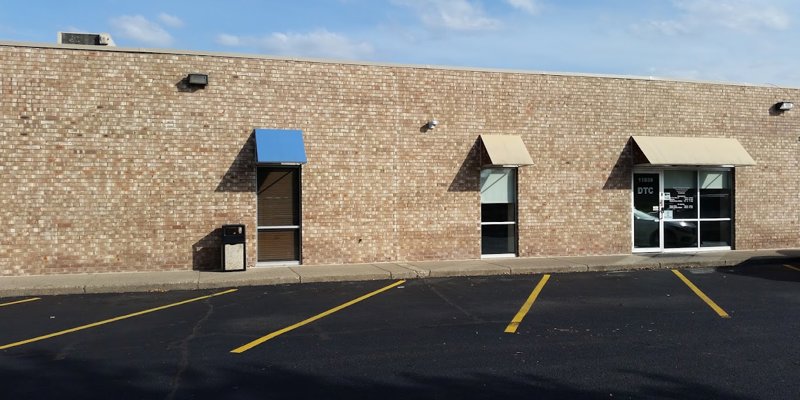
x: 702, y: 295
x: 108, y: 321
x: 272, y: 335
x: 512, y: 327
x: 791, y: 267
x: 20, y: 301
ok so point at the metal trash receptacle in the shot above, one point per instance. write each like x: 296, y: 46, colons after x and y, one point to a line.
x: 233, y: 248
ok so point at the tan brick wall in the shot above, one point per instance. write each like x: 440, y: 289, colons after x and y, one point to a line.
x: 108, y: 165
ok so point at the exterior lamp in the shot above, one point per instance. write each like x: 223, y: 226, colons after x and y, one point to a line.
x: 200, y: 80
x: 784, y: 106
x: 431, y: 124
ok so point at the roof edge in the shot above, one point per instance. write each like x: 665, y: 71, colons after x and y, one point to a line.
x: 7, y: 43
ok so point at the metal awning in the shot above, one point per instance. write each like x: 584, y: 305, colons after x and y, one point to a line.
x: 665, y: 150
x: 280, y: 146
x: 508, y: 150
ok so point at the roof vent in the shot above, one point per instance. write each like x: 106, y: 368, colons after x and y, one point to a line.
x: 90, y: 39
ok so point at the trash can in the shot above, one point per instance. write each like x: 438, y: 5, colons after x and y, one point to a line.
x: 233, y: 248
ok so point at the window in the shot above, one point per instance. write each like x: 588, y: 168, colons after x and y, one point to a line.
x: 682, y: 209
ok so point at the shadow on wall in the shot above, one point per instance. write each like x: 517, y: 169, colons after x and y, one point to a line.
x: 620, y: 177
x: 467, y: 178
x: 240, y: 176
x: 183, y: 86
x: 774, y: 110
x: 206, y: 252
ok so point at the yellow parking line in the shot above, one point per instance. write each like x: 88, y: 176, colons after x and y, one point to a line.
x: 20, y: 301
x: 272, y: 335
x: 512, y: 327
x: 108, y: 321
x: 791, y: 267
x: 702, y: 295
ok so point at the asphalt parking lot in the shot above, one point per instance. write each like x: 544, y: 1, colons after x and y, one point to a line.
x: 692, y: 334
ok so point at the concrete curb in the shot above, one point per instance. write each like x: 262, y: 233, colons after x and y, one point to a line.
x: 19, y: 286
x: 357, y: 272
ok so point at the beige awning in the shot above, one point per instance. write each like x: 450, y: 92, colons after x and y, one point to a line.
x: 664, y: 150
x: 506, y: 150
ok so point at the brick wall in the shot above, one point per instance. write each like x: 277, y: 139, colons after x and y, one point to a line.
x: 109, y: 164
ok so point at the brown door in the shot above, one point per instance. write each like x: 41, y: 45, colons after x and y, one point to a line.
x: 278, y: 194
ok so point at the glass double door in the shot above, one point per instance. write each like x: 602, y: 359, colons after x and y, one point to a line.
x: 682, y: 209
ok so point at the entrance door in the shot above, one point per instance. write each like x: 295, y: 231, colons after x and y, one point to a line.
x: 682, y: 209
x: 647, y: 211
x: 498, y: 212
x: 278, y: 196
x: 679, y: 209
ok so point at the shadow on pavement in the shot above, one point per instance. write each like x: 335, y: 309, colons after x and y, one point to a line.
x: 755, y: 269
x: 46, y: 375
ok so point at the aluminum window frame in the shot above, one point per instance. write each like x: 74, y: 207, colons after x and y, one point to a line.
x: 515, y: 176
x: 698, y: 170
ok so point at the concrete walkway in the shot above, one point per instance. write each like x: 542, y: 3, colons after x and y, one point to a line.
x: 184, y: 280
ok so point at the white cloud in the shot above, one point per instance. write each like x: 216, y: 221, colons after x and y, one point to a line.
x: 228, y: 40
x: 668, y: 27
x: 735, y: 15
x: 170, y: 20
x: 139, y: 28
x: 690, y: 74
x: 320, y: 43
x: 529, y: 6
x: 458, y: 15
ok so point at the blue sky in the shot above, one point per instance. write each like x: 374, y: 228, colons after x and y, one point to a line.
x: 719, y: 40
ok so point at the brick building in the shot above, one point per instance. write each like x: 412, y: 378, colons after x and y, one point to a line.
x: 112, y: 161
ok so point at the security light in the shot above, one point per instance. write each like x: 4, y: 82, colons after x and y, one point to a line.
x: 197, y: 80
x: 784, y: 106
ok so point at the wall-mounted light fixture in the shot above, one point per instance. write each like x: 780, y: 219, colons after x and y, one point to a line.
x: 432, y: 124
x: 784, y: 106
x: 199, y: 80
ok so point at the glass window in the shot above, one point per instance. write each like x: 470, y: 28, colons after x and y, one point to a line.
x: 681, y: 187
x: 277, y: 196
x: 645, y: 229
x: 498, y: 212
x: 645, y: 210
x: 715, y: 194
x: 498, y: 239
x: 680, y: 234
x: 694, y: 212
x: 715, y: 233
x: 498, y: 205
x: 715, y: 180
x: 498, y: 185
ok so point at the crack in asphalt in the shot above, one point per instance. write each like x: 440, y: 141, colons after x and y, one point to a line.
x: 453, y: 304
x: 183, y: 364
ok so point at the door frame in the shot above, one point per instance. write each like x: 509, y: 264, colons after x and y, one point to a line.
x: 660, y: 188
x: 699, y: 169
x: 298, y: 227
x: 514, y: 173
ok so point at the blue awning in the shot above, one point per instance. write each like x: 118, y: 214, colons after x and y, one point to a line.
x: 280, y: 146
